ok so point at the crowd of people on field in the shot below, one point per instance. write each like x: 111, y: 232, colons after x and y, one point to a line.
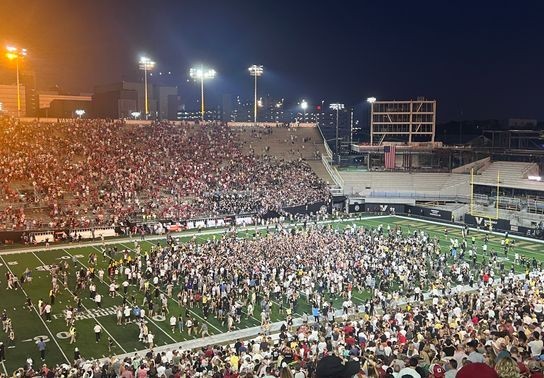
x: 491, y: 328
x: 95, y: 172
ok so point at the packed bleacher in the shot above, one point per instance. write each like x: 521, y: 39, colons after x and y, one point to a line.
x: 431, y: 313
x: 94, y: 173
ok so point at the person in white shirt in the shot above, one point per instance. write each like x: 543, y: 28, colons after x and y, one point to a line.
x: 97, y: 331
x: 536, y: 345
x: 173, y: 322
x: 98, y: 300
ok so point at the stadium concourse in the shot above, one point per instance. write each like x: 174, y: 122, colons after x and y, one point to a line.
x: 386, y: 296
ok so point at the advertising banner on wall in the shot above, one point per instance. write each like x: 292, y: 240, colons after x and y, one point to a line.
x: 389, y: 208
x: 483, y: 222
x: 356, y: 208
x: 309, y: 208
x: 427, y: 212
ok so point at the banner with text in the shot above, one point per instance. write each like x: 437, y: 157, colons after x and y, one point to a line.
x: 483, y: 222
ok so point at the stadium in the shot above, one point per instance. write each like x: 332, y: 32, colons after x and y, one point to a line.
x: 263, y: 238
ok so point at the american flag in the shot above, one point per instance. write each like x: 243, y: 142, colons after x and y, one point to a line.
x: 390, y: 155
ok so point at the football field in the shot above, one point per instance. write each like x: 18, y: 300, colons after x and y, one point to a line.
x: 29, y: 326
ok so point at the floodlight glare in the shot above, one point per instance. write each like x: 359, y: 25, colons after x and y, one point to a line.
x: 336, y: 106
x: 79, y: 112
x: 135, y: 114
x: 304, y: 105
x: 371, y: 100
x: 146, y: 64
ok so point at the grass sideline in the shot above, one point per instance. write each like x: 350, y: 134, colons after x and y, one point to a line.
x: 29, y: 326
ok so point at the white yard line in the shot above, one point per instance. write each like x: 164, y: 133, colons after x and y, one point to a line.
x: 38, y: 314
x: 116, y: 293
x: 4, y: 368
x: 86, y: 309
x: 172, y: 299
x: 198, y: 237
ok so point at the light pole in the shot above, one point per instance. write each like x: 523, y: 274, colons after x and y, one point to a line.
x: 255, y: 71
x: 202, y: 74
x: 304, y: 106
x: 146, y: 64
x: 14, y: 53
x: 80, y: 113
x: 336, y: 107
x: 371, y: 101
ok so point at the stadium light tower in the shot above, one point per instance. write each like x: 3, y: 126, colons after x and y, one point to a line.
x: 202, y: 74
x: 146, y: 64
x: 371, y: 101
x: 14, y: 53
x: 255, y: 71
x: 304, y: 106
x: 336, y: 107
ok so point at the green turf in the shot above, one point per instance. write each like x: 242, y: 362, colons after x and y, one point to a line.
x: 28, y: 325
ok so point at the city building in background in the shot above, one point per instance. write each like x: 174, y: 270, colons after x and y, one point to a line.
x: 53, y: 104
x: 28, y: 82
x: 210, y: 114
x: 8, y: 98
x: 123, y: 99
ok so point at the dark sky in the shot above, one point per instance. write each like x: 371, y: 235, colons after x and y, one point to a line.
x: 483, y: 58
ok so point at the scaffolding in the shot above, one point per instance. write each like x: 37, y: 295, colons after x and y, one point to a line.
x: 402, y: 121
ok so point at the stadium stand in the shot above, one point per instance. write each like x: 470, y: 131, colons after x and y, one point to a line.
x: 510, y: 174
x: 411, y: 185
x: 80, y: 174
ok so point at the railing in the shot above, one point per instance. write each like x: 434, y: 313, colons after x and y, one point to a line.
x: 476, y: 165
x: 528, y: 169
x: 327, y: 148
x: 419, y: 196
x: 333, y: 173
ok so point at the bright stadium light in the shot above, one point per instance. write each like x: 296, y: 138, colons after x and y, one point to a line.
x: 201, y: 74
x: 371, y: 101
x: 80, y: 113
x: 337, y: 107
x: 146, y: 64
x: 135, y: 115
x: 255, y: 71
x: 14, y: 53
x: 304, y: 106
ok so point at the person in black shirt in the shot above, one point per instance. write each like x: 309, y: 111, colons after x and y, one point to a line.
x: 237, y: 346
x: 448, y: 348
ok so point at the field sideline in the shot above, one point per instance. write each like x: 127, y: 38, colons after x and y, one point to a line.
x: 29, y: 326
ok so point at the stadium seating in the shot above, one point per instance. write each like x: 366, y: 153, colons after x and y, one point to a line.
x: 393, y: 184
x: 513, y: 174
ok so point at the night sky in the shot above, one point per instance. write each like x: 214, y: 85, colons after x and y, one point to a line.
x: 480, y: 58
